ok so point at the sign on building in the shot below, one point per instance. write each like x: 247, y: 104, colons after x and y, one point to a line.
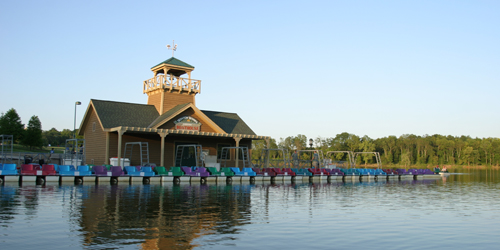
x: 187, y: 123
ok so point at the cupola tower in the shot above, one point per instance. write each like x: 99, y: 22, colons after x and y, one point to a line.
x: 167, y: 88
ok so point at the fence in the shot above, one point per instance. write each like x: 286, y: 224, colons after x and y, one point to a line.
x: 30, y: 157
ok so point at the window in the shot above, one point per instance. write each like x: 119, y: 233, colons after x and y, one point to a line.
x: 93, y: 127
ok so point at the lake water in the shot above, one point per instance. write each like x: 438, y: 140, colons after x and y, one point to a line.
x: 459, y: 212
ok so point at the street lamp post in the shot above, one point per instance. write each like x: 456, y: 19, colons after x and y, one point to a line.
x: 74, y: 124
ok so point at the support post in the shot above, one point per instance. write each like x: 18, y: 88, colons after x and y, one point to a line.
x: 121, y: 131
x: 162, y: 146
x: 237, y: 139
x: 106, y: 153
x: 162, y: 102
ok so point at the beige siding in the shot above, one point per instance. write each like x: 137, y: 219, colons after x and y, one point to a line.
x: 171, y: 99
x: 155, y: 99
x: 95, y: 140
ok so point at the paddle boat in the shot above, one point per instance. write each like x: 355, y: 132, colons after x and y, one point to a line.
x: 444, y: 173
x: 441, y: 172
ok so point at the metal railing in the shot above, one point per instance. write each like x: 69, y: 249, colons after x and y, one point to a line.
x: 30, y: 157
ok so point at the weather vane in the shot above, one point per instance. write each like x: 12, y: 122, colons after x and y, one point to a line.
x: 173, y: 47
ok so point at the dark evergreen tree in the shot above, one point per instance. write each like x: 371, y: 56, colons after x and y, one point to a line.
x: 10, y: 124
x: 33, y: 135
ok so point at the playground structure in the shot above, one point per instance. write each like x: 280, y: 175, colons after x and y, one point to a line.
x: 377, y: 158
x: 144, y: 152
x: 280, y: 159
x: 305, y: 158
x: 6, y: 141
x: 7, y: 153
x: 189, y: 155
x: 245, y: 157
x: 74, y: 153
x: 349, y: 163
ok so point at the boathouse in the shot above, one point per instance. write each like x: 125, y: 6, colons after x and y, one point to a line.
x: 170, y: 118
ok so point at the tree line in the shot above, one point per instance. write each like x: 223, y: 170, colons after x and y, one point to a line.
x: 32, y: 136
x: 405, y: 150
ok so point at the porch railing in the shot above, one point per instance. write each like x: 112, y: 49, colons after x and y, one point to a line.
x: 172, y: 83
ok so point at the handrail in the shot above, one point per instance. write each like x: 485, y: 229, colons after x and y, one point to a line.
x: 376, y: 154
x: 350, y: 156
x: 171, y: 82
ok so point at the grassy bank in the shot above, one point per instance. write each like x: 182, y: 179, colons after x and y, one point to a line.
x: 19, y: 148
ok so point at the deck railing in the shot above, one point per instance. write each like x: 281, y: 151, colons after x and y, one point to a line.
x: 172, y: 83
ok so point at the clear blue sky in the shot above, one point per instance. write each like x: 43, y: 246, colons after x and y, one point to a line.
x: 317, y: 68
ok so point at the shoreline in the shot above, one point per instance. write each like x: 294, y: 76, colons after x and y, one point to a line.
x: 431, y: 166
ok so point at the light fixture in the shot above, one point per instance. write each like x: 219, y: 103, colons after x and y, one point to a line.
x: 74, y: 124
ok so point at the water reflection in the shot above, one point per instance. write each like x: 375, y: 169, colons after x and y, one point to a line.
x: 162, y: 216
x: 187, y: 216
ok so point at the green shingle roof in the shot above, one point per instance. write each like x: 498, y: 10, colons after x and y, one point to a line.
x: 115, y: 114
x: 167, y: 114
x: 175, y: 61
x: 229, y: 122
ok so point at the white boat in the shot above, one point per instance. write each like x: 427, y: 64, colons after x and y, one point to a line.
x: 444, y: 173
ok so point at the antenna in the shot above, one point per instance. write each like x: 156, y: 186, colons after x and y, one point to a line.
x: 173, y: 47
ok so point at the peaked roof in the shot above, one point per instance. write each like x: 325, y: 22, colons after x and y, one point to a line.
x: 166, y: 115
x: 229, y: 122
x: 113, y: 114
x: 175, y: 61
x: 177, y: 110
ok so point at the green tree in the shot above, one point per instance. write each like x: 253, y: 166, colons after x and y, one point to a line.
x: 496, y: 151
x: 407, y: 145
x: 367, y: 145
x: 340, y: 142
x: 475, y: 155
x: 422, y: 145
x: 406, y: 158
x: 487, y: 149
x: 465, y: 157
x: 353, y: 143
x: 66, y: 134
x: 10, y: 124
x: 406, y: 150
x: 322, y: 145
x: 33, y: 134
x: 459, y: 147
x: 257, y: 147
x: 300, y: 142
x: 51, y: 136
x: 286, y: 143
x: 54, y: 137
x: 388, y: 145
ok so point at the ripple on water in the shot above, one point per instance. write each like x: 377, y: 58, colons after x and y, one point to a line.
x: 461, y: 212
